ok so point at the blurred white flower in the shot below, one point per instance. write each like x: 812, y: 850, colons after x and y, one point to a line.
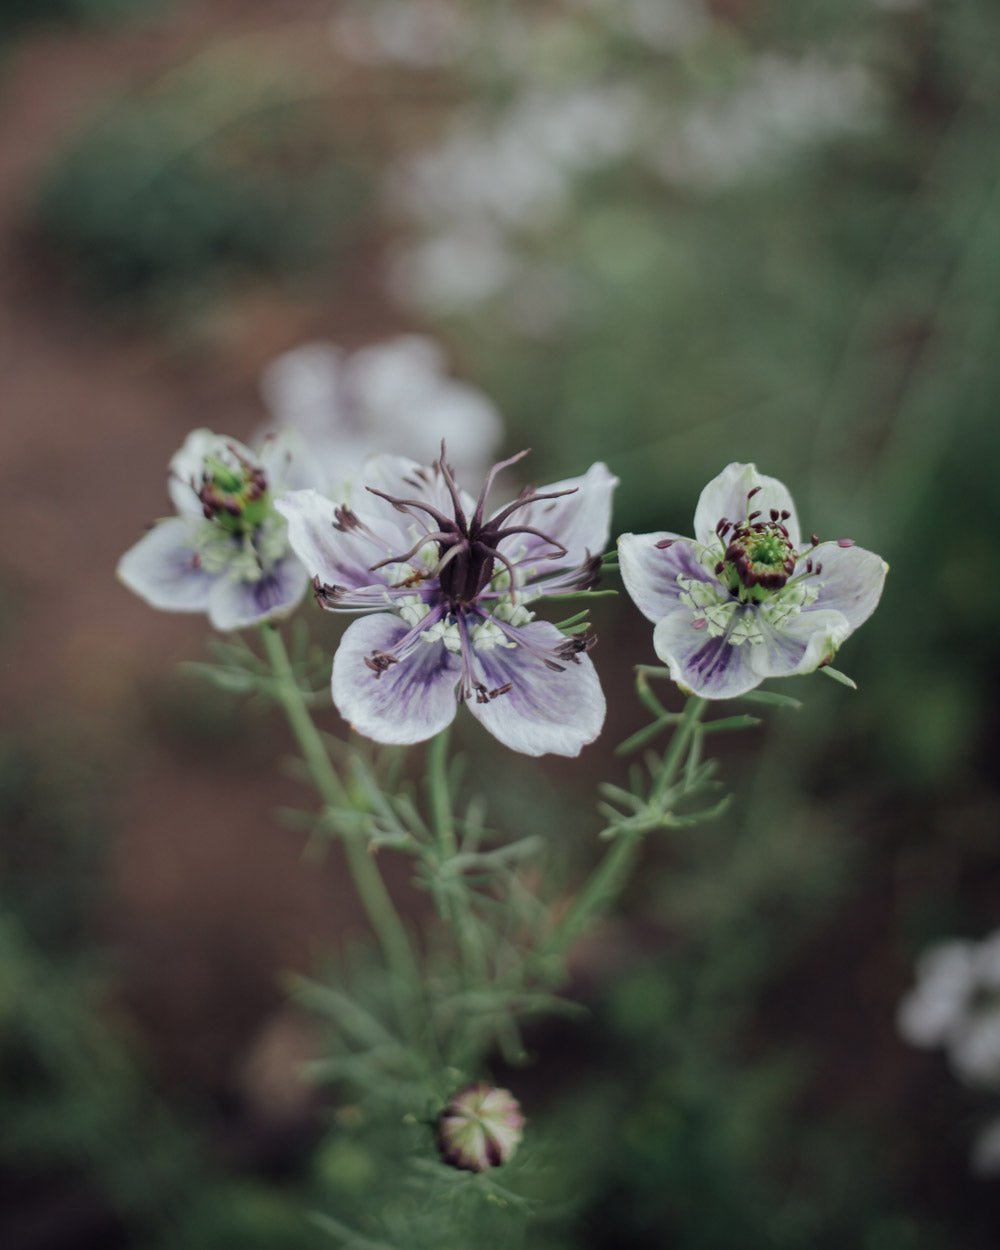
x: 664, y: 25
x: 421, y: 34
x: 784, y: 107
x: 935, y: 1008
x: 392, y: 396
x: 516, y: 169
x: 955, y: 1004
x: 446, y: 273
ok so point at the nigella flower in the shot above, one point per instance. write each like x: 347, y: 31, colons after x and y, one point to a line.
x: 480, y: 1128
x: 744, y: 599
x: 226, y: 551
x: 448, y: 587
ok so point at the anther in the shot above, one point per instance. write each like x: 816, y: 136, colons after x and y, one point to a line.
x: 379, y: 661
x: 751, y: 493
x: 845, y: 542
x: 753, y: 515
x: 701, y: 622
x: 814, y: 540
x: 345, y: 519
x: 664, y: 543
x: 719, y: 567
x: 776, y: 515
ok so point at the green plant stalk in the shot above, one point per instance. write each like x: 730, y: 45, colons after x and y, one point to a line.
x: 608, y: 878
x: 674, y: 754
x: 453, y: 902
x: 371, y: 890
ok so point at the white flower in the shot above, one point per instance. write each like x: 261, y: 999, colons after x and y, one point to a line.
x: 745, y: 599
x: 226, y: 551
x: 390, y: 397
x: 933, y: 1011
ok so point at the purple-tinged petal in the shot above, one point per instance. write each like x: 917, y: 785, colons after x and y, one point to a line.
x: 726, y: 496
x: 238, y: 604
x: 331, y: 548
x: 409, y: 701
x: 851, y: 581
x: 800, y: 644
x: 712, y: 667
x: 403, y: 478
x: 579, y: 522
x: 544, y: 712
x: 650, y: 572
x: 164, y: 568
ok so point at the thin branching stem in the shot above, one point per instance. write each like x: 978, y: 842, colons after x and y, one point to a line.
x: 371, y: 889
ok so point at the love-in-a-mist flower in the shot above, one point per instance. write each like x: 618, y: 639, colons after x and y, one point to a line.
x: 480, y: 1128
x: 448, y: 587
x: 745, y: 599
x: 226, y: 551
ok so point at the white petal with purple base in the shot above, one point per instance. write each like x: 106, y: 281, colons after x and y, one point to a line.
x: 237, y: 604
x: 544, y: 712
x: 411, y: 700
x: 650, y: 572
x: 163, y: 567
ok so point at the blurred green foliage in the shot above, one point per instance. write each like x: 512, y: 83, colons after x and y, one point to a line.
x: 228, y: 170
x: 18, y: 15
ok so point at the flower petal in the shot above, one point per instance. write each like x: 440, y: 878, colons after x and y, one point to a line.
x: 579, y: 522
x: 851, y: 581
x: 650, y: 572
x: 726, y: 496
x: 544, y: 712
x: 403, y: 478
x: 800, y: 644
x: 164, y: 569
x: 290, y: 464
x: 408, y: 702
x: 338, y: 555
x: 708, y: 666
x: 236, y: 603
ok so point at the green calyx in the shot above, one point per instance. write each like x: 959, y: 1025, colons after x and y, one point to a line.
x: 235, y: 498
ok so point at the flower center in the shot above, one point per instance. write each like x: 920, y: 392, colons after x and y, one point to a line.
x: 759, y: 558
x: 469, y: 548
x: 235, y: 497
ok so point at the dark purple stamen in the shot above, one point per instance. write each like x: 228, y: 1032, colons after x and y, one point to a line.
x: 468, y: 549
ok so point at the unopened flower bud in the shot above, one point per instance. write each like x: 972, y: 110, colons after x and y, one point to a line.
x: 479, y: 1128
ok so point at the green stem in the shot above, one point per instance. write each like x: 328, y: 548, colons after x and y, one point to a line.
x: 375, y: 899
x: 440, y: 798
x: 674, y: 754
x: 452, y: 899
x: 608, y: 878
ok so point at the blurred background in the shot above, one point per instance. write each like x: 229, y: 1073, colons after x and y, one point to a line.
x: 667, y: 234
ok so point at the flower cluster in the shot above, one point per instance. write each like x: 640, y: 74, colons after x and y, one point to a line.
x: 745, y: 599
x: 226, y: 551
x: 446, y: 587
